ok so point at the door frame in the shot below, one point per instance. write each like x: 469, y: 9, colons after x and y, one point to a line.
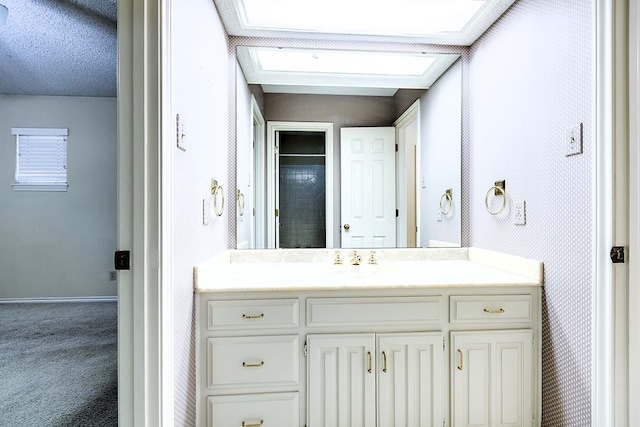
x: 145, y: 303
x: 258, y: 129
x: 277, y: 126
x: 634, y: 209
x: 407, y: 118
x: 611, y: 340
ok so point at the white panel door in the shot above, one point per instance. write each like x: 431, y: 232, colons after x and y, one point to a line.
x: 493, y: 381
x: 410, y: 379
x: 368, y: 187
x: 341, y: 380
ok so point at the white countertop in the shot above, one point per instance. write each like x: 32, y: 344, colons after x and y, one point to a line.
x: 313, y: 269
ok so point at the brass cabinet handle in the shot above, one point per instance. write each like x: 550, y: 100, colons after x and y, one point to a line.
x: 384, y: 362
x: 493, y: 311
x: 252, y: 365
x: 260, y: 316
x: 245, y: 424
x: 370, y: 361
x: 460, y: 360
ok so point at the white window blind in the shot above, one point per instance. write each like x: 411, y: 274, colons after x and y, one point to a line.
x: 41, y: 159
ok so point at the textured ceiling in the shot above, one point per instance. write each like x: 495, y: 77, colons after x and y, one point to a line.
x: 59, y: 47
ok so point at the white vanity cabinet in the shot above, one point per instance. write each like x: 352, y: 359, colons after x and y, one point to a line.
x: 352, y: 375
x: 248, y: 362
x: 450, y: 343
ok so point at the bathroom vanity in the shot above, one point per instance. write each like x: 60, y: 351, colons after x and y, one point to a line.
x: 420, y: 337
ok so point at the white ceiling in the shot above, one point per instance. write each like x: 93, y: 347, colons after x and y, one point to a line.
x: 59, y: 47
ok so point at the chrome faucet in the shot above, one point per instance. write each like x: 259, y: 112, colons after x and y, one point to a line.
x: 357, y: 259
x: 372, y: 258
x: 337, y: 260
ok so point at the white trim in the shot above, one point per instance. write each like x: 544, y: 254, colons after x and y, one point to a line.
x: 609, y: 395
x: 140, y: 292
x: 56, y: 300
x: 258, y: 231
x: 409, y: 116
x: 634, y: 211
x: 272, y: 128
x: 167, y: 397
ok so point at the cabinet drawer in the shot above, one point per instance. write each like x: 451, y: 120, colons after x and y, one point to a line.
x: 374, y: 311
x: 254, y: 410
x: 253, y: 314
x: 491, y: 308
x: 253, y: 361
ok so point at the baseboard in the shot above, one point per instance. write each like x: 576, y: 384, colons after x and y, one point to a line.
x: 57, y: 300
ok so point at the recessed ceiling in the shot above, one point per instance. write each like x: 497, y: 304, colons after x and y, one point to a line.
x: 340, y: 72
x: 452, y: 22
x: 309, y: 71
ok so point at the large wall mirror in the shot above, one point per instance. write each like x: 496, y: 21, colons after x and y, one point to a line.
x: 344, y: 148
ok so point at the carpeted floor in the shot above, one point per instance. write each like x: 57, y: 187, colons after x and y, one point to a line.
x: 58, y: 364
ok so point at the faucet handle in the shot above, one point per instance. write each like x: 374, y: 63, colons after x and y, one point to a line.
x: 337, y: 260
x: 372, y: 258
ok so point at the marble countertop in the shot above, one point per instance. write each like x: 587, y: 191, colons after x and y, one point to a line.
x: 313, y: 269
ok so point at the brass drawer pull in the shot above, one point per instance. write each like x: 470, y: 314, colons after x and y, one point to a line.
x: 384, y: 362
x: 245, y: 424
x: 492, y: 311
x: 370, y: 362
x: 253, y: 365
x: 244, y: 316
x: 460, y: 360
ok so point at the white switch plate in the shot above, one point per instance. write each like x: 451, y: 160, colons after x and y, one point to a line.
x: 573, y: 140
x: 519, y: 213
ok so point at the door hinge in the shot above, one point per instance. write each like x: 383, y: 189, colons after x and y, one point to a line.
x: 397, y: 213
x: 534, y: 342
x: 122, y: 260
x: 305, y: 349
x: 396, y: 148
x: 617, y: 254
x: 444, y: 344
x: 277, y: 212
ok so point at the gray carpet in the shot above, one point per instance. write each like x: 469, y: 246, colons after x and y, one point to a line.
x: 58, y: 364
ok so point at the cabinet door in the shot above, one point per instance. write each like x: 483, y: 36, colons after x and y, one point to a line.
x: 341, y: 380
x: 492, y: 378
x: 410, y: 379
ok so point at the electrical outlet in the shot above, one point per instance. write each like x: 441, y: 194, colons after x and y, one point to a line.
x: 113, y: 275
x: 439, y: 216
x: 573, y: 140
x: 520, y: 213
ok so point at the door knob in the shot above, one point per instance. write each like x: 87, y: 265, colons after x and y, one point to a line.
x: 346, y: 226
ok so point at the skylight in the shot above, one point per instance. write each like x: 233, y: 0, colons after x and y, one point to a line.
x: 343, y: 62
x: 366, y: 17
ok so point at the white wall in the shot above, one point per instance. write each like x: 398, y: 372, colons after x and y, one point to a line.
x: 60, y: 244
x: 202, y: 82
x: 441, y: 136
x: 530, y: 77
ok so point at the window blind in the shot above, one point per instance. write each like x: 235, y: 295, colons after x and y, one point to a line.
x: 41, y: 159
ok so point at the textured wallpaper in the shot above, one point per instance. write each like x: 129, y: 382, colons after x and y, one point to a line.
x: 529, y: 78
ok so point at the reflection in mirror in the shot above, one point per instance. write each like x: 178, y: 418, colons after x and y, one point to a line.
x: 289, y: 179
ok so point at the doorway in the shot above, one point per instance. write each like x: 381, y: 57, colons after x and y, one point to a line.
x: 301, y: 189
x: 299, y: 185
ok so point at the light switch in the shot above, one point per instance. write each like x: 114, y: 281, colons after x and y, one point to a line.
x: 573, y: 140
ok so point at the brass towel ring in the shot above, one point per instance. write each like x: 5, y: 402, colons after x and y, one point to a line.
x: 503, y: 193
x: 446, y: 199
x: 218, y: 193
x: 240, y: 200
